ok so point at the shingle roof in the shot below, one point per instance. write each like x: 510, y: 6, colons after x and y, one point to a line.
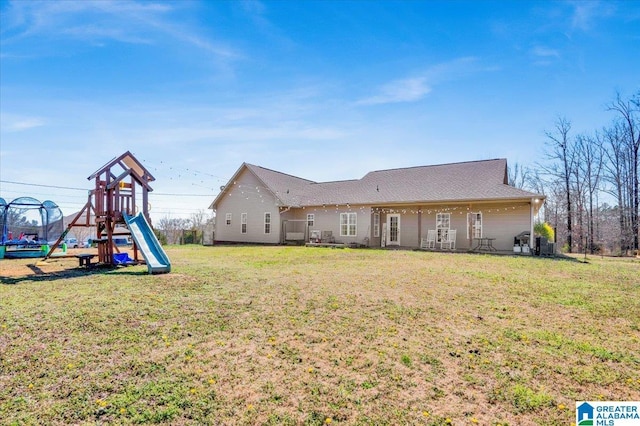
x: 282, y: 185
x: 455, y: 182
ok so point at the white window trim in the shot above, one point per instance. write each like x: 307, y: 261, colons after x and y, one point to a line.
x: 349, y: 224
x: 267, y: 223
x: 469, y: 216
x: 227, y: 219
x: 376, y: 225
x: 439, y: 227
x: 311, y: 220
x: 243, y: 223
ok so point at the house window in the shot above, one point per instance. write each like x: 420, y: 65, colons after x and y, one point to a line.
x: 228, y: 219
x: 348, y: 224
x: 243, y: 223
x: 267, y: 223
x: 311, y: 220
x: 376, y: 225
x: 474, y: 225
x: 443, y: 223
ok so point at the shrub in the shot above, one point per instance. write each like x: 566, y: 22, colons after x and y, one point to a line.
x: 162, y: 238
x: 544, y: 230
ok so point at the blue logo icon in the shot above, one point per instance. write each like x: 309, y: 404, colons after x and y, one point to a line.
x: 584, y: 414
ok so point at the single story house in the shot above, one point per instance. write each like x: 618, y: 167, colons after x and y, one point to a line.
x: 396, y: 207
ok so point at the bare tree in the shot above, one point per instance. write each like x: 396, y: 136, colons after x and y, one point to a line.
x: 590, y: 166
x: 580, y: 168
x: 82, y: 233
x: 562, y: 153
x: 616, y: 175
x: 194, y: 231
x: 199, y: 220
x: 630, y: 122
x: 172, y: 228
x: 518, y: 175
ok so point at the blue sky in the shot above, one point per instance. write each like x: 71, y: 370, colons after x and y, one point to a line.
x: 324, y: 90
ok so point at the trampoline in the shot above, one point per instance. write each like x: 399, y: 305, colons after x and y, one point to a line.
x: 27, y: 226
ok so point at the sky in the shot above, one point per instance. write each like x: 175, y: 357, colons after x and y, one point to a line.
x: 323, y: 90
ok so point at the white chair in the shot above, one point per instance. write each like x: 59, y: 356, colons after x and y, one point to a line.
x: 430, y: 241
x: 449, y: 239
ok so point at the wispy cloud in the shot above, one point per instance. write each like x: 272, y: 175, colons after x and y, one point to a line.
x: 544, y: 56
x: 544, y: 52
x: 585, y: 13
x: 93, y: 32
x: 414, y: 88
x: 125, y: 21
x: 402, y: 90
x: 16, y: 123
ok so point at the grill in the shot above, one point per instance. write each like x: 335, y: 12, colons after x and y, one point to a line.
x: 521, y: 242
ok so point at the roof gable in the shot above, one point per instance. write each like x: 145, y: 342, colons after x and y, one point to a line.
x: 281, y: 185
x: 126, y: 162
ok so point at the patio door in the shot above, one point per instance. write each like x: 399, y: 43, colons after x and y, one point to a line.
x: 393, y: 230
x: 443, y: 223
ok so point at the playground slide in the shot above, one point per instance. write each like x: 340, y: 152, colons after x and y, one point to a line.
x: 148, y: 244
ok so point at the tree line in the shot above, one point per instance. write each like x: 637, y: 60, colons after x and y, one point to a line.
x: 591, y: 181
x: 197, y: 229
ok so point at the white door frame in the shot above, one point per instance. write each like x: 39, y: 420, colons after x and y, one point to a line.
x: 390, y: 242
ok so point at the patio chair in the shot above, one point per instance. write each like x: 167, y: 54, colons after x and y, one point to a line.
x: 327, y: 237
x: 430, y: 241
x: 449, y: 239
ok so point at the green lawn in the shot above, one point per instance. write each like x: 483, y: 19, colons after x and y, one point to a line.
x: 293, y: 335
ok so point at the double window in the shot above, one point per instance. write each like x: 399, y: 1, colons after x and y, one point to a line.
x: 348, y: 224
x: 311, y: 220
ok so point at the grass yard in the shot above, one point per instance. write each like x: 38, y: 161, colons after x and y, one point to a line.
x: 293, y: 335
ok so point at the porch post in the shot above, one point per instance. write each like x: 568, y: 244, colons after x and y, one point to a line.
x: 531, y: 224
x: 419, y: 224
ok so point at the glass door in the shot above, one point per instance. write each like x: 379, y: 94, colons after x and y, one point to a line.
x: 393, y: 230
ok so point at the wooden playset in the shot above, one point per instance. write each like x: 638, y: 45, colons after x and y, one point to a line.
x: 118, y: 184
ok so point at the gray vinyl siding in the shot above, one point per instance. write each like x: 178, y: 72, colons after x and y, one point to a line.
x: 409, y: 229
x: 328, y: 219
x: 409, y: 235
x: 501, y: 221
x: 458, y: 222
x: 247, y: 196
x: 505, y: 223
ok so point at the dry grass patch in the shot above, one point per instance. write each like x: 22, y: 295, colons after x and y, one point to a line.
x: 290, y: 335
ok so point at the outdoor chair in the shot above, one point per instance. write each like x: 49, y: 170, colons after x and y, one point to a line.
x: 430, y: 241
x: 327, y: 237
x: 316, y: 236
x: 449, y: 239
